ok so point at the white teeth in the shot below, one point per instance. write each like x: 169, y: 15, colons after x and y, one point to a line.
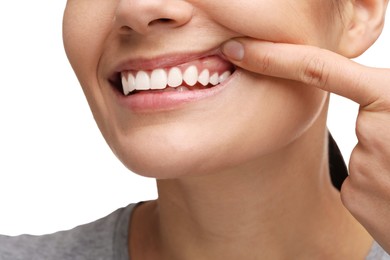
x: 125, y: 85
x: 128, y: 84
x: 158, y: 79
x: 175, y: 77
x: 191, y: 75
x: 204, y: 77
x: 224, y: 76
x: 214, y: 79
x: 142, y: 81
x: 173, y: 80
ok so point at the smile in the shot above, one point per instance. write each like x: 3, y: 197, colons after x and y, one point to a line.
x: 202, y: 73
x: 167, y: 84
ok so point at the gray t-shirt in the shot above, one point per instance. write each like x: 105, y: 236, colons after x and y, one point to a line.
x: 104, y: 239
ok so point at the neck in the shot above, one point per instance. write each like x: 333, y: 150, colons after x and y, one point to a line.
x: 262, y: 210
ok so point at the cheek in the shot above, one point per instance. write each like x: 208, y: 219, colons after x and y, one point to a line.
x: 86, y: 26
x: 291, y: 21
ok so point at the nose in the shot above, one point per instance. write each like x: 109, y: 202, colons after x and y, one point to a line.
x: 145, y: 16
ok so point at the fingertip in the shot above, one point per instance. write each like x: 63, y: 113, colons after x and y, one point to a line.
x: 233, y: 50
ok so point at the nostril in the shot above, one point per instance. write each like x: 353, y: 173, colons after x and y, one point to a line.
x: 125, y: 29
x: 161, y: 21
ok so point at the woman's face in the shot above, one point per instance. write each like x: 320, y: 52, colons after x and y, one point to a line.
x: 176, y: 132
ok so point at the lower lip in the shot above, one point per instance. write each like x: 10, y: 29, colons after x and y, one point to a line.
x: 165, y: 101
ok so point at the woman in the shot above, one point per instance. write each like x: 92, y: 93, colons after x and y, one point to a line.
x: 233, y: 131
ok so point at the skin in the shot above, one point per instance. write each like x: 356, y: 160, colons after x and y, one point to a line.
x: 365, y: 192
x: 238, y: 202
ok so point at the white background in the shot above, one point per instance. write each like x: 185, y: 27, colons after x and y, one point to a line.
x: 56, y: 171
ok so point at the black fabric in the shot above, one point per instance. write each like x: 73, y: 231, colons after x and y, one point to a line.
x: 338, y: 169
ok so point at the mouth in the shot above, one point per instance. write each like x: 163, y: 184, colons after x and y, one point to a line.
x: 203, y: 73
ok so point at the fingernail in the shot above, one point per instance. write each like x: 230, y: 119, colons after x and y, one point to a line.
x: 233, y: 50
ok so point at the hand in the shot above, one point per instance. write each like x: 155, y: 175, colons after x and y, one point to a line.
x: 366, y: 192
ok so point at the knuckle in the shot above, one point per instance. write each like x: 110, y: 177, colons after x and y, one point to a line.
x: 365, y: 172
x: 363, y: 128
x: 314, y: 71
x: 352, y: 195
x: 264, y: 62
x: 372, y: 131
x: 357, y: 164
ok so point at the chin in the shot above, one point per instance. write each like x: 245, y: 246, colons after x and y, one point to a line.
x: 174, y: 158
x: 166, y: 164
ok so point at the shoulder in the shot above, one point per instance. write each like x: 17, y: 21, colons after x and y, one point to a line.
x: 101, y: 239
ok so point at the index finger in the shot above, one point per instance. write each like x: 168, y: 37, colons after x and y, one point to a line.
x: 312, y: 66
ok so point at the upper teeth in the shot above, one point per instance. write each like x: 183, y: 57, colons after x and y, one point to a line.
x: 173, y: 77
